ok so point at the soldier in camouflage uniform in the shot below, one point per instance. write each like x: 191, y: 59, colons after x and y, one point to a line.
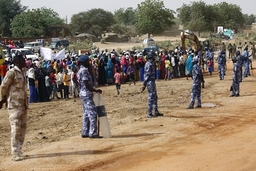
x: 235, y: 88
x: 85, y: 79
x: 14, y: 91
x: 198, y: 79
x: 149, y: 82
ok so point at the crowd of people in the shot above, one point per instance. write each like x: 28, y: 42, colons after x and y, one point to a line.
x: 79, y: 76
x: 59, y: 77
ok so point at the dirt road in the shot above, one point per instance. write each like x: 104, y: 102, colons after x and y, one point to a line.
x: 219, y: 138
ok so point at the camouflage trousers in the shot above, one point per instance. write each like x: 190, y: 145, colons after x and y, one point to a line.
x: 89, y: 127
x: 247, y: 68
x: 240, y: 74
x: 221, y: 71
x: 152, y: 98
x: 195, y: 95
x: 18, y: 123
x: 235, y: 88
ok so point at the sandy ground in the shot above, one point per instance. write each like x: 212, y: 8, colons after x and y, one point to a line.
x: 218, y: 137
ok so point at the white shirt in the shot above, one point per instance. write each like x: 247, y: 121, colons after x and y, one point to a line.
x: 60, y: 78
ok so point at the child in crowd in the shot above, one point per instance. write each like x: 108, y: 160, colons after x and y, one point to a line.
x: 131, y: 73
x: 117, y: 77
x: 167, y: 68
x: 66, y: 80
x: 54, y: 84
x: 157, y: 68
x: 74, y: 83
x: 210, y: 66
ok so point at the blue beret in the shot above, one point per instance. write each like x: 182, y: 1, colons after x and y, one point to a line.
x: 83, y: 58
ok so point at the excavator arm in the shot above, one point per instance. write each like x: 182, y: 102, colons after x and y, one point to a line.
x: 189, y: 36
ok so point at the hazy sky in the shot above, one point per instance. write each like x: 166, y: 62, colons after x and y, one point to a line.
x: 69, y: 7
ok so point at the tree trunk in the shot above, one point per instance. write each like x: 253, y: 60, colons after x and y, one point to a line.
x: 148, y: 35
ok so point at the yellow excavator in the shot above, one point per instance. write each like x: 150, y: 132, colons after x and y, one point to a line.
x: 198, y: 45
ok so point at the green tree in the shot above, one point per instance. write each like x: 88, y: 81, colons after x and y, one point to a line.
x: 229, y: 15
x: 125, y: 16
x: 34, y: 23
x: 196, y: 16
x: 199, y: 16
x: 153, y: 17
x: 87, y: 22
x: 249, y: 19
x: 120, y: 29
x: 9, y: 9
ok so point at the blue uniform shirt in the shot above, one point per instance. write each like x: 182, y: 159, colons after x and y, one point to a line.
x: 222, y: 59
x: 240, y: 61
x: 149, y: 73
x: 84, y: 75
x: 196, y: 74
x: 235, y: 72
x: 245, y: 54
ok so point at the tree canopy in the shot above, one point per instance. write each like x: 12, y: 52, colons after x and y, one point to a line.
x: 229, y: 15
x: 35, y: 22
x: 153, y: 17
x: 150, y: 17
x: 199, y: 16
x: 249, y: 19
x: 9, y: 9
x: 93, y: 21
x: 125, y: 16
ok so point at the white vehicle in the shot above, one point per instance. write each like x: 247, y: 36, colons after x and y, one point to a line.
x: 26, y: 52
x: 148, y: 41
x: 6, y: 55
x: 188, y: 32
x: 33, y: 46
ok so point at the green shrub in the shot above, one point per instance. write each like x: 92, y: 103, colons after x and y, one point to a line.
x: 138, y: 48
x: 78, y: 45
x: 119, y: 50
x: 102, y: 40
x: 167, y: 45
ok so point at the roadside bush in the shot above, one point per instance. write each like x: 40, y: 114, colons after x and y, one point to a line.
x: 78, y: 45
x: 119, y: 50
x: 167, y: 45
x: 102, y: 40
x: 138, y: 48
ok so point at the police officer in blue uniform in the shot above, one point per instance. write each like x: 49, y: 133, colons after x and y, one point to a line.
x: 149, y: 82
x: 85, y: 79
x: 240, y: 61
x: 221, y: 64
x: 246, y: 56
x: 198, y: 79
x: 235, y: 88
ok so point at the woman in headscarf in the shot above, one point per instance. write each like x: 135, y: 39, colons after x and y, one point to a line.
x: 32, y: 84
x: 162, y: 65
x: 189, y: 64
x: 110, y: 73
x: 124, y: 63
x: 102, y: 71
x: 141, y: 63
x: 95, y: 70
